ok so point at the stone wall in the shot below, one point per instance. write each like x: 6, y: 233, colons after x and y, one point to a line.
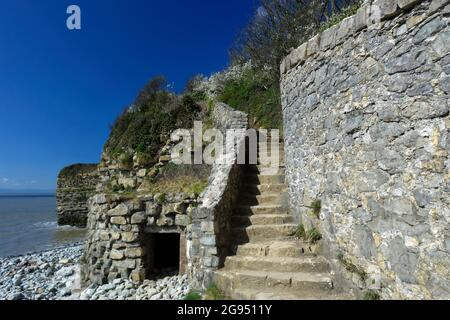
x: 123, y: 217
x: 209, y: 240
x: 76, y: 184
x: 367, y: 132
x: 118, y: 233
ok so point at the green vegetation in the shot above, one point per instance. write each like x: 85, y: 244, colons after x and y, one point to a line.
x: 155, y: 113
x: 316, y: 206
x: 301, y: 232
x: 351, y: 267
x: 311, y: 236
x: 372, y: 295
x: 77, y: 169
x: 257, y: 94
x: 214, y: 293
x: 193, y: 296
x: 265, y: 42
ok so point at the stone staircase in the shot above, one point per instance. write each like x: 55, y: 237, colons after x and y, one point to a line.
x: 269, y: 262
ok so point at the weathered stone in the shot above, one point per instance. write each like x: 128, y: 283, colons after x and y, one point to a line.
x: 407, y: 62
x: 361, y: 18
x: 345, y: 30
x: 129, y: 237
x: 406, y: 4
x: 174, y: 208
x: 424, y: 110
x: 153, y: 209
x: 313, y: 46
x: 385, y: 8
x: 125, y: 264
x: 138, y: 218
x: 327, y: 39
x: 404, y: 263
x: 120, y: 210
x: 137, y: 252
x: 298, y: 55
x: 429, y: 29
x: 441, y: 44
x: 116, y: 255
x: 182, y: 220
x: 119, y: 220
x: 141, y: 173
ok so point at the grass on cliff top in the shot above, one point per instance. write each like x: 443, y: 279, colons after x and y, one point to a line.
x: 156, y: 112
x: 77, y: 169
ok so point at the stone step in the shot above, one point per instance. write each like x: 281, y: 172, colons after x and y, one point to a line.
x: 287, y: 248
x: 244, y: 210
x: 306, y: 283
x: 264, y: 199
x: 281, y: 295
x: 265, y: 180
x: 278, y: 264
x: 262, y: 219
x: 259, y: 189
x: 262, y: 232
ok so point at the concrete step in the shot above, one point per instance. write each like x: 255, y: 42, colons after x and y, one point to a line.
x: 244, y: 210
x: 278, y: 264
x: 262, y: 232
x: 258, y: 189
x: 306, y: 283
x: 265, y: 180
x: 262, y: 219
x: 286, y: 248
x: 264, y: 199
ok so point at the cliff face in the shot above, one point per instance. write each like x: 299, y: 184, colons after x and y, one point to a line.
x: 366, y: 117
x: 76, y: 184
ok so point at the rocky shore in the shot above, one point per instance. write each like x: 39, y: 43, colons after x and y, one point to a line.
x: 55, y: 275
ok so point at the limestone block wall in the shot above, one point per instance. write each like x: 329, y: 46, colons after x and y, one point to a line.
x: 76, y: 184
x: 119, y: 226
x: 367, y: 132
x: 209, y: 240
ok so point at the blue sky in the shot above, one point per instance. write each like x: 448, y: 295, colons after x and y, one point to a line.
x: 60, y: 90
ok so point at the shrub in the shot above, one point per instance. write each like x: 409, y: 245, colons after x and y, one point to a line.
x: 214, y: 293
x: 372, y: 295
x: 193, y: 296
x: 311, y: 236
x: 155, y: 112
x: 257, y: 94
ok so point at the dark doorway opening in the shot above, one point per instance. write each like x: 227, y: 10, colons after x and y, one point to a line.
x: 165, y: 257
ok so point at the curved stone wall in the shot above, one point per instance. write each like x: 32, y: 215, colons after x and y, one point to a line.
x: 367, y: 132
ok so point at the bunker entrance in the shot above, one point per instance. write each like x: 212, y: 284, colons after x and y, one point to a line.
x: 164, y: 257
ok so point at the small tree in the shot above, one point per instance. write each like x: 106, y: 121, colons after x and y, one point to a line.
x: 281, y: 25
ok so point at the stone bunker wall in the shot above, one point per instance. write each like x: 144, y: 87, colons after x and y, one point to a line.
x: 367, y: 132
x: 123, y: 226
x: 76, y: 184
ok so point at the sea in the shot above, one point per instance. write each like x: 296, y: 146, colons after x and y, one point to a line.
x: 28, y: 225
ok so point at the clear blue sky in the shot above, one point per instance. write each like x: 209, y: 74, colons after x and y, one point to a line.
x: 60, y: 90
